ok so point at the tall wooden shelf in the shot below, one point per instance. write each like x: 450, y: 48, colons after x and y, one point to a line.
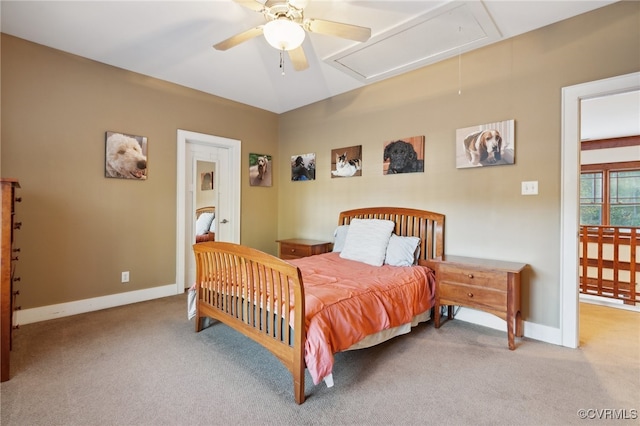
x: 9, y: 199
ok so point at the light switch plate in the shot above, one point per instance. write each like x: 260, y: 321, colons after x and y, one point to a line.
x: 530, y: 187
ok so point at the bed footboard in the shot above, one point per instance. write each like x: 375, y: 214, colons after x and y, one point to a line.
x: 257, y: 294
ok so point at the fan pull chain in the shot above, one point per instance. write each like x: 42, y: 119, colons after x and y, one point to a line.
x: 459, y: 74
x: 459, y: 65
x: 282, y: 61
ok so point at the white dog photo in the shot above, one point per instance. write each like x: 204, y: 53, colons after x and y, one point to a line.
x: 125, y: 156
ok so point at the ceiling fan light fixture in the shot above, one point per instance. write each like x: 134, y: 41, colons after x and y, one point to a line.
x: 284, y: 34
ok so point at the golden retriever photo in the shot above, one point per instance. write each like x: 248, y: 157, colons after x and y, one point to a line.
x: 125, y: 156
x: 486, y: 145
x: 259, y: 170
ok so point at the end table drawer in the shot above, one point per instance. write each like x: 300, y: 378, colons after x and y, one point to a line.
x: 475, y: 277
x: 294, y: 251
x: 472, y: 296
x: 296, y: 248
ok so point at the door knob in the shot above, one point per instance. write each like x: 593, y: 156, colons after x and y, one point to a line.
x: 224, y: 221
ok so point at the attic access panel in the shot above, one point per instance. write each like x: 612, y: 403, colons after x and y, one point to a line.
x: 431, y: 37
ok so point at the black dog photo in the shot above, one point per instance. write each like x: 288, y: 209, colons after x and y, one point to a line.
x: 404, y: 156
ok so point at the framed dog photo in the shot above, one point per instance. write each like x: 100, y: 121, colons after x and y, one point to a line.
x: 403, y: 156
x: 303, y: 167
x: 259, y: 170
x: 346, y: 162
x: 206, y: 181
x: 125, y: 156
x: 491, y: 144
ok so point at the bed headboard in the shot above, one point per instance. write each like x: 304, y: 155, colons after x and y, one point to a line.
x: 428, y: 226
x: 208, y: 209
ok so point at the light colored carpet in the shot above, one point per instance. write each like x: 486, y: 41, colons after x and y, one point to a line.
x: 143, y: 364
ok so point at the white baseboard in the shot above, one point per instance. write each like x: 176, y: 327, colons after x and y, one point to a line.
x: 44, y: 313
x: 531, y: 330
x: 607, y: 301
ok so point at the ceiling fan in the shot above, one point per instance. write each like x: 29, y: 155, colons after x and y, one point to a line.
x: 286, y: 27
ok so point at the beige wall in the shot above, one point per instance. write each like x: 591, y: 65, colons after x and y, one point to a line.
x: 80, y: 229
x: 486, y: 216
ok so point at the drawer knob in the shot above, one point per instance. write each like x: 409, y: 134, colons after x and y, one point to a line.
x: 470, y: 275
x: 293, y: 250
x: 470, y: 294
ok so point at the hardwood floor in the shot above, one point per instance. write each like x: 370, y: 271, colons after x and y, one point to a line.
x: 609, y: 330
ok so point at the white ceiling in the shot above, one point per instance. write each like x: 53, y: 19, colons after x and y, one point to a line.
x: 611, y: 116
x: 172, y: 41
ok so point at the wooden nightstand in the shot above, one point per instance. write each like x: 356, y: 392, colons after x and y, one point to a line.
x: 489, y: 285
x: 296, y: 248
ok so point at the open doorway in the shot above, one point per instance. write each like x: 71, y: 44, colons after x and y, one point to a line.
x: 610, y: 200
x: 572, y: 98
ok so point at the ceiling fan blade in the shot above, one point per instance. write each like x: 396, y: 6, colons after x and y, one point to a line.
x: 351, y: 32
x: 239, y: 38
x: 257, y: 5
x: 298, y: 59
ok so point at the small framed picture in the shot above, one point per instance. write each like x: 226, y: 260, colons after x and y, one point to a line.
x: 125, y: 156
x: 491, y: 144
x: 303, y: 167
x: 206, y: 181
x: 346, y: 162
x: 403, y: 156
x: 260, y: 170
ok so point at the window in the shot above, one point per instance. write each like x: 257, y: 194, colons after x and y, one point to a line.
x: 591, y: 202
x: 624, y: 198
x: 610, y: 197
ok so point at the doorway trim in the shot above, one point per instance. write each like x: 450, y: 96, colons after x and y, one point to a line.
x: 570, y: 182
x: 234, y: 147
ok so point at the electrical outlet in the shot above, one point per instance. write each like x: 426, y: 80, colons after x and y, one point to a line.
x: 530, y: 188
x: 125, y: 277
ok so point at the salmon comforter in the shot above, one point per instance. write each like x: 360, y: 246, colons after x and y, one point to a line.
x: 346, y: 300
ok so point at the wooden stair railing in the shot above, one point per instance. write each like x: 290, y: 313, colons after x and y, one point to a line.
x: 608, y: 262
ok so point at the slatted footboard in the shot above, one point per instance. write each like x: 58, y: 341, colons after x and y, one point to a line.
x: 258, y: 295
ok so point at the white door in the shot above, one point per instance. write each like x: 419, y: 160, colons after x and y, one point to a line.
x: 224, y: 156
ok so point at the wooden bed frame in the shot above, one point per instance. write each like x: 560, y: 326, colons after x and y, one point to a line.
x: 249, y: 290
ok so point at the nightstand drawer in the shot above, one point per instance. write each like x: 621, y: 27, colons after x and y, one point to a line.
x: 476, y: 277
x: 472, y: 296
x: 294, y: 251
x: 297, y: 248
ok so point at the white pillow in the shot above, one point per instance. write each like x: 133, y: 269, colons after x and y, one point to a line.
x: 212, y: 227
x: 340, y: 236
x: 203, y: 223
x: 367, y: 240
x: 401, y: 251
